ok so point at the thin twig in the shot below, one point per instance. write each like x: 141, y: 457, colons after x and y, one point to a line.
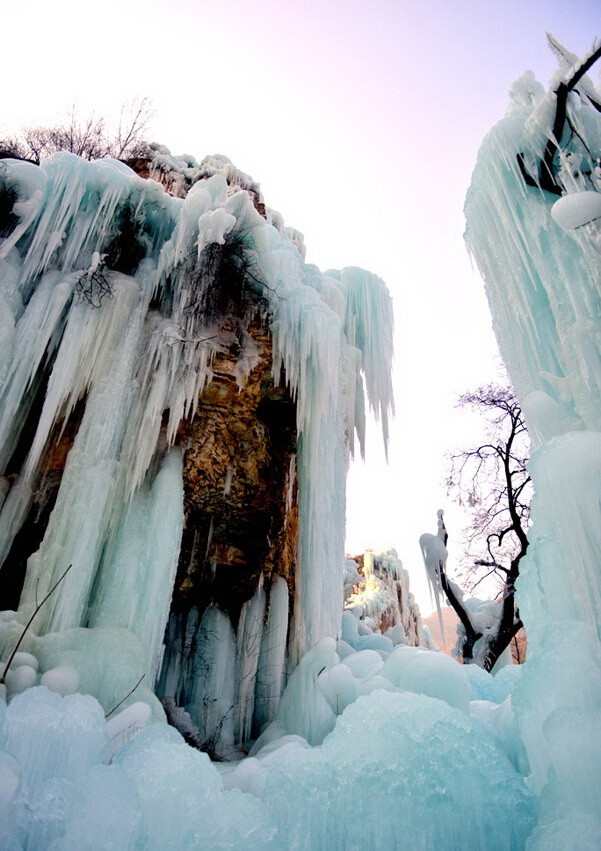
x: 130, y: 692
x: 29, y: 622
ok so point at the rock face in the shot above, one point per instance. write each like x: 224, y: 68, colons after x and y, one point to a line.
x: 240, y: 503
x: 241, y: 515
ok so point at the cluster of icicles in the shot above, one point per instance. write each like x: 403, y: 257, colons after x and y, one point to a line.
x: 136, y: 346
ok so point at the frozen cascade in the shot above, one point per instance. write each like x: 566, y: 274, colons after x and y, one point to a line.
x: 209, y: 690
x: 199, y: 675
x: 128, y: 340
x: 382, y: 600
x: 540, y: 260
x: 138, y: 567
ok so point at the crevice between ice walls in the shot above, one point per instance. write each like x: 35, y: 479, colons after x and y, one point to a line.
x: 544, y: 286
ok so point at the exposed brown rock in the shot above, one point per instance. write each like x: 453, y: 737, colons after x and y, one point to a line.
x: 140, y: 165
x: 241, y: 517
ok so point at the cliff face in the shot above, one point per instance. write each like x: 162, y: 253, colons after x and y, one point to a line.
x: 239, y: 472
x: 240, y: 507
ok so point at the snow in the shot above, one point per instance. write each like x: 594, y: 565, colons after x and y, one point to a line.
x: 577, y: 210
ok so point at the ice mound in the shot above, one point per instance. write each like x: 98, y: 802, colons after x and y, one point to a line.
x: 400, y: 771
x: 432, y: 674
x: 158, y: 793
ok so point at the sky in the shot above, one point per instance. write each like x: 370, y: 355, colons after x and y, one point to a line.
x: 362, y: 122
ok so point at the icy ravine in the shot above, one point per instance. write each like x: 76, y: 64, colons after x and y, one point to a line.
x: 407, y: 748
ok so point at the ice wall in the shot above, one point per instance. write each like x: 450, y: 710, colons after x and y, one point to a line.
x: 109, y: 301
x: 538, y: 251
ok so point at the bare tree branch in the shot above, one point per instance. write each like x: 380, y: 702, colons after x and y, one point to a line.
x: 495, y: 476
x: 88, y: 138
x: 30, y: 621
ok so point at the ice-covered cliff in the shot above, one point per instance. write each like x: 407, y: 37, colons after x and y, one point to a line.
x: 179, y: 397
x: 380, y: 596
x: 179, y: 393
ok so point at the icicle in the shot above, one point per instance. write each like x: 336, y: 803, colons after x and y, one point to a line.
x: 136, y: 577
x: 434, y: 554
x: 142, y: 354
x: 227, y: 485
x: 250, y: 631
x: 272, y: 659
x: 29, y: 184
x: 210, y: 692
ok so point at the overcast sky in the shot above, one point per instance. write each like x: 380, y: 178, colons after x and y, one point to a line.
x: 362, y: 121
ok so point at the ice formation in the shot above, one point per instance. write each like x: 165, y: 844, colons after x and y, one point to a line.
x: 538, y: 250
x: 365, y: 741
x: 106, y: 308
x: 381, y: 599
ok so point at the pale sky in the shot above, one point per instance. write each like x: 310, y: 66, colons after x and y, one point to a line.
x: 362, y: 121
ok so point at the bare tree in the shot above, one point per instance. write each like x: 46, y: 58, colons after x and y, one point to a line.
x: 133, y: 124
x: 493, y: 483
x: 89, y: 138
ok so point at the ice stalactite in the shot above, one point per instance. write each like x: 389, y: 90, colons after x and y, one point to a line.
x: 199, y: 676
x: 271, y: 669
x: 138, y: 566
x: 434, y: 553
x: 250, y: 632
